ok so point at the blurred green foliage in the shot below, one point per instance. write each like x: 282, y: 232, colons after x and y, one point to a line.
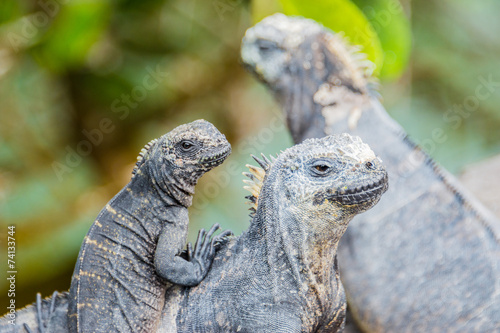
x: 75, y: 28
x: 389, y: 21
x: 455, y: 51
x: 85, y: 84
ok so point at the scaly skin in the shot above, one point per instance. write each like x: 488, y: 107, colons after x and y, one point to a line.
x: 130, y: 255
x: 281, y: 274
x: 426, y: 259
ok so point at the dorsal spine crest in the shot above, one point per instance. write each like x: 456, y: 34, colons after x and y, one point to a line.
x: 142, y: 154
x: 256, y: 179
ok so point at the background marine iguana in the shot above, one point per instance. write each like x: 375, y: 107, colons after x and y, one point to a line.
x: 131, y: 252
x: 281, y: 274
x: 427, y: 257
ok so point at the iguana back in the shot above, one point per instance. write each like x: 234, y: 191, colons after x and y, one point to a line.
x: 427, y: 257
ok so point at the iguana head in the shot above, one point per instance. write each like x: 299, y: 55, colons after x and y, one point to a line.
x: 308, y: 67
x: 320, y: 183
x: 179, y: 158
x: 280, y: 47
x: 339, y: 173
x: 266, y: 48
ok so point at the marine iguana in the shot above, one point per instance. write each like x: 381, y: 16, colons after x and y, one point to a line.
x: 130, y: 255
x: 281, y: 274
x: 427, y: 257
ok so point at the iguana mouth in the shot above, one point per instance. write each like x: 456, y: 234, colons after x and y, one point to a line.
x: 361, y: 193
x: 217, y: 158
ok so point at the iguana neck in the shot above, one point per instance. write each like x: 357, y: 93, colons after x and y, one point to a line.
x: 292, y: 92
x: 283, y: 236
x: 166, y: 184
x: 297, y: 90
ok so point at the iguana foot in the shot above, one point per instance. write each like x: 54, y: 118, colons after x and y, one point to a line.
x: 204, y: 249
x: 39, y: 308
x: 39, y: 316
x: 218, y: 241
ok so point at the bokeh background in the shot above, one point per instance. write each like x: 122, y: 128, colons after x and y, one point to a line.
x: 85, y: 84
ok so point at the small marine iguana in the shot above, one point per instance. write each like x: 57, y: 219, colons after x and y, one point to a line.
x: 281, y: 274
x: 130, y: 255
x: 131, y: 252
x: 427, y: 258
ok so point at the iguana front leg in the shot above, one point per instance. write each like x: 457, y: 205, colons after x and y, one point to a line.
x: 175, y: 269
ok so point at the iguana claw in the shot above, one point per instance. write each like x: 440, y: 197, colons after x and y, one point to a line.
x: 222, y: 239
x: 217, y: 242
x: 39, y: 308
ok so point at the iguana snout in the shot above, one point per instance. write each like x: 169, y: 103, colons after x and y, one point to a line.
x: 216, y: 156
x: 367, y: 190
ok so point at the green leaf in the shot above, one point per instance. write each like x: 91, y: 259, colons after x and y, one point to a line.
x: 341, y: 15
x: 76, y: 28
x: 9, y: 9
x: 388, y: 19
x: 263, y: 8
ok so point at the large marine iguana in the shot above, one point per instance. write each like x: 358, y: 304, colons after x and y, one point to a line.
x: 281, y: 274
x: 427, y: 258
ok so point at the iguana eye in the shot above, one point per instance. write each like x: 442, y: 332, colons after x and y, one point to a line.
x: 322, y: 167
x: 266, y: 45
x: 370, y: 165
x: 187, y: 145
